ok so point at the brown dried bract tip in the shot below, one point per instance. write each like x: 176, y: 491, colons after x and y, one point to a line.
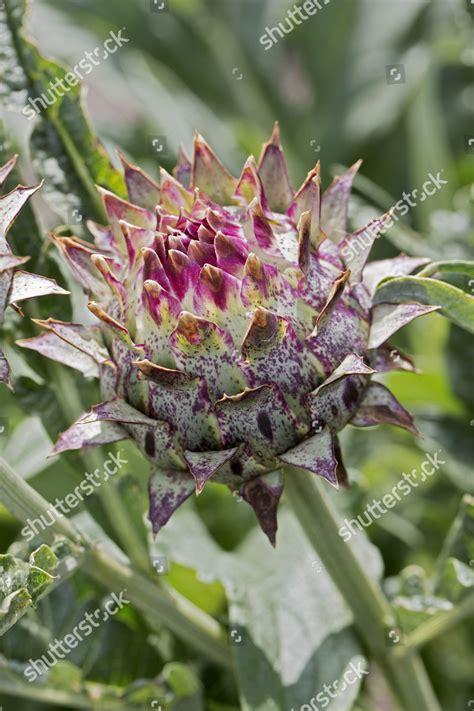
x: 104, y: 316
x: 261, y: 331
x: 168, y: 377
x: 178, y: 259
x: 333, y: 296
x: 275, y: 139
x: 304, y: 242
x: 253, y: 267
x: 101, y: 264
x: 260, y: 318
x: 188, y: 325
x: 212, y: 276
x: 224, y: 244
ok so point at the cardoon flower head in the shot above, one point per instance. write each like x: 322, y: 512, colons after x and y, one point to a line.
x: 236, y: 332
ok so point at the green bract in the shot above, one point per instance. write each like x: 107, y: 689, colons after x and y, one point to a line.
x: 236, y: 332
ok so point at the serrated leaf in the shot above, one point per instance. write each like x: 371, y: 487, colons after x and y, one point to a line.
x: 13, y: 607
x: 44, y: 558
x: 457, y: 580
x: 64, y: 147
x: 289, y: 627
x: 459, y: 542
x: 454, y: 303
x: 22, y: 583
x: 414, y: 611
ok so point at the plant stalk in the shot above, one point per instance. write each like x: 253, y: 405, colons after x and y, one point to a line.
x: 373, y: 615
x: 110, y: 499
x: 161, y: 606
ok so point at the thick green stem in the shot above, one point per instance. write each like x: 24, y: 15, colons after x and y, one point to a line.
x: 373, y: 615
x: 110, y: 499
x: 161, y: 607
x: 26, y: 504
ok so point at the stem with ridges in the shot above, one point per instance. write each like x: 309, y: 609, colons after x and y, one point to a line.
x: 373, y: 615
x: 112, y: 503
x: 160, y: 606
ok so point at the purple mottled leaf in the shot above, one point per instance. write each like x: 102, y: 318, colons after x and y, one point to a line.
x: 182, y: 170
x: 374, y: 272
x: 167, y: 489
x: 78, y: 256
x: 142, y: 189
x: 249, y: 186
x: 93, y: 434
x: 334, y: 402
x: 209, y: 175
x: 387, y: 319
x: 10, y: 206
x: 273, y: 173
x: 342, y: 329
x: 54, y: 347
x: 85, y: 338
x: 9, y: 261
x: 261, y: 418
x: 378, y: 406
x: 275, y: 354
x: 28, y: 286
x: 217, y: 298
x: 316, y: 455
x: 263, y: 494
x: 203, y: 465
x: 387, y: 358
x: 356, y: 247
x: 335, y: 205
x: 174, y: 197
x: 231, y: 253
x: 308, y: 199
x: 202, y: 348
x: 183, y: 401
x: 154, y: 437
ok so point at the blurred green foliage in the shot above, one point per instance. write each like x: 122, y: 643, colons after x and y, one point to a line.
x: 200, y: 65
